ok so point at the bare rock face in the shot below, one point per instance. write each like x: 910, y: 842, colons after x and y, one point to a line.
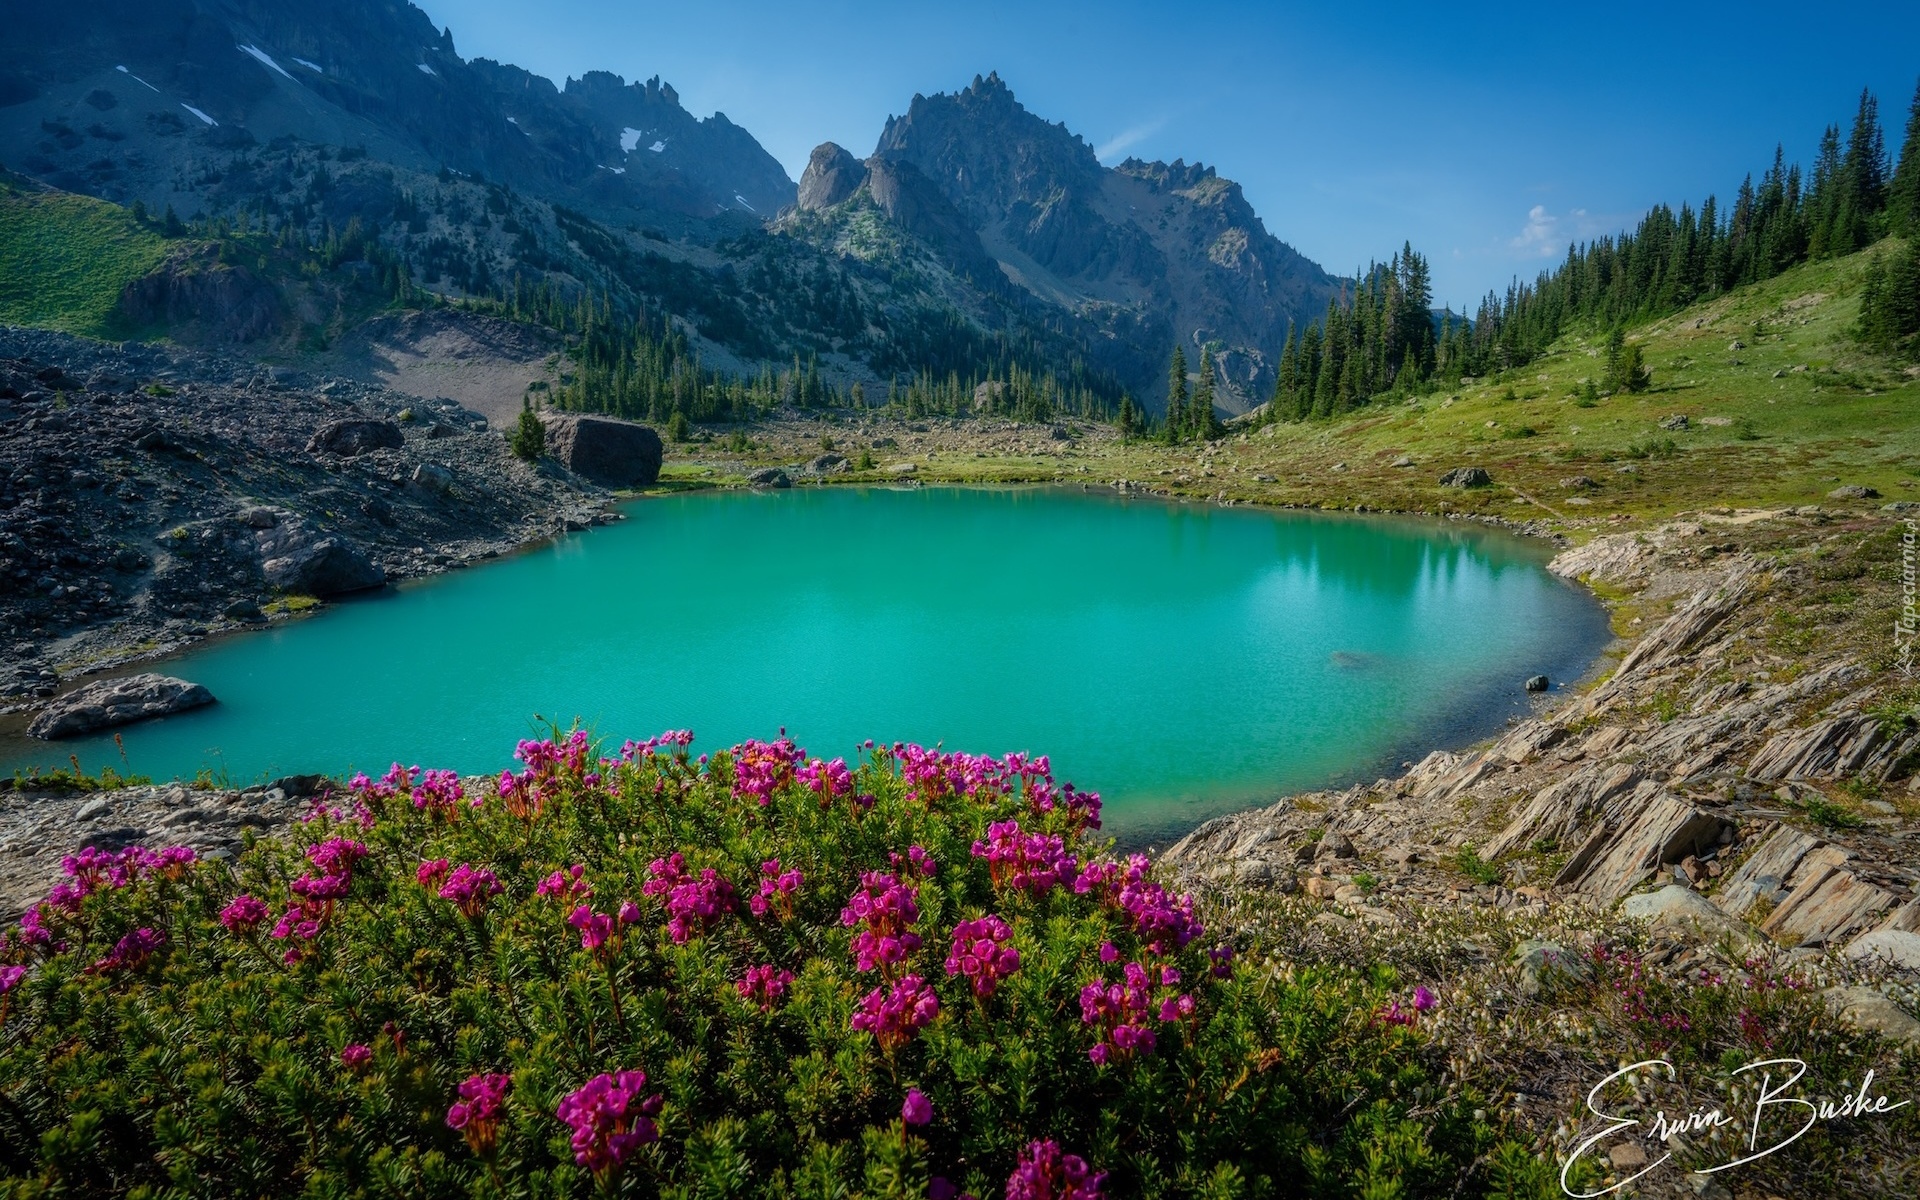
x: 831, y: 176
x: 297, y: 559
x: 608, y: 451
x: 113, y: 702
x: 192, y: 288
x: 356, y: 436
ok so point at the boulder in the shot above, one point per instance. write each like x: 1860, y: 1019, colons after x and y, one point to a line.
x: 1853, y: 491
x: 1333, y: 844
x: 770, y: 477
x: 1683, y: 910
x: 1677, y: 423
x: 1538, y: 683
x: 111, y: 702
x: 1869, y: 1009
x: 610, y: 452
x: 434, y: 478
x: 1545, y: 966
x: 1466, y: 477
x: 829, y: 464
x: 296, y: 559
x: 906, y: 468
x: 355, y: 436
x: 1897, y: 946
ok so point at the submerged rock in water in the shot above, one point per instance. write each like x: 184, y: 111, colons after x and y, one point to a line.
x: 608, y: 451
x: 113, y: 702
x: 1538, y: 683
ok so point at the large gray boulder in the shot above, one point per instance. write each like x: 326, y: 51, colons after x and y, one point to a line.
x: 610, y: 452
x: 1898, y: 946
x: 297, y: 559
x: 1681, y: 910
x: 111, y: 702
x: 1466, y: 477
x: 355, y: 436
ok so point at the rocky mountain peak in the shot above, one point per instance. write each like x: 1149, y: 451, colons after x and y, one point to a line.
x: 832, y: 175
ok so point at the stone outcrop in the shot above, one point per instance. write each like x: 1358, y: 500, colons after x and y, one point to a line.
x: 832, y: 175
x: 194, y: 294
x: 296, y: 559
x: 356, y: 436
x: 1466, y: 477
x: 110, y: 702
x: 608, y: 451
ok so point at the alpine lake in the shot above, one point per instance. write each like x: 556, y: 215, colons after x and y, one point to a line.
x: 1183, y: 660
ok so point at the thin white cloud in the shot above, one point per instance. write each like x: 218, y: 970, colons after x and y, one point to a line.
x: 1547, y: 236
x: 1128, y: 139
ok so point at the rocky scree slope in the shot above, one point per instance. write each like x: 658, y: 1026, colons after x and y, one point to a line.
x: 150, y: 497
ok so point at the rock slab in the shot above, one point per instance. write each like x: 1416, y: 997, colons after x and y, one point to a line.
x: 355, y: 436
x: 610, y: 452
x: 111, y: 702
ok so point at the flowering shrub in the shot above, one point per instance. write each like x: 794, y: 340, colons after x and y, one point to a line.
x: 757, y: 973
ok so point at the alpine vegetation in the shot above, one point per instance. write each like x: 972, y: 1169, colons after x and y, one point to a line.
x: 646, y: 973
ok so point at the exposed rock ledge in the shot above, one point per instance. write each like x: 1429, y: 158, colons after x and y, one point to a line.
x: 1682, y: 768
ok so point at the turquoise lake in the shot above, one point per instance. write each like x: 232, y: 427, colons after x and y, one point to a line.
x: 1182, y: 660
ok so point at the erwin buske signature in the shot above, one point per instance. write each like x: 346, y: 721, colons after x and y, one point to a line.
x: 1785, y: 1108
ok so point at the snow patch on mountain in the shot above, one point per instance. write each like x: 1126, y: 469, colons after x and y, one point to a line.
x: 264, y: 58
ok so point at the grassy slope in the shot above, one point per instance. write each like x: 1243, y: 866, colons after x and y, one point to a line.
x: 1846, y: 417
x: 65, y: 258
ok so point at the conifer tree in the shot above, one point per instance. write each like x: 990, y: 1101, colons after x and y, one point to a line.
x: 529, y: 439
x: 1903, y: 192
x: 1177, y: 393
x: 1200, y: 418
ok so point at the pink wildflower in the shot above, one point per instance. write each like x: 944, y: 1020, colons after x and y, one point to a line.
x: 777, y: 889
x: 565, y: 885
x: 131, y: 952
x: 916, y: 1109
x: 887, y: 908
x: 1034, y: 862
x: 432, y: 871
x: 477, y: 1113
x: 764, y: 985
x: 470, y: 888
x: 355, y: 1057
x: 980, y: 952
x: 610, y: 1120
x: 895, y: 1018
x: 243, y: 914
x: 1046, y: 1174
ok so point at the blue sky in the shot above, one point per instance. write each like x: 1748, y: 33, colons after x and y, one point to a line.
x: 1487, y: 135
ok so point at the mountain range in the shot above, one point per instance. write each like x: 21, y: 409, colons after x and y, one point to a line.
x: 974, y: 230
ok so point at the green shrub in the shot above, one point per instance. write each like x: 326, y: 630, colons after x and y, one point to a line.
x: 679, y: 428
x: 1468, y: 862
x: 457, y: 963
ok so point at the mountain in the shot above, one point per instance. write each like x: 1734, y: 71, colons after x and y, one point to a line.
x: 1143, y: 254
x: 388, y: 171
x: 146, y: 100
